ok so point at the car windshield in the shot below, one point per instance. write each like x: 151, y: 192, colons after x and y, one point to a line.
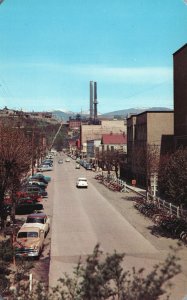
x: 35, y: 220
x: 82, y: 179
x: 29, y: 234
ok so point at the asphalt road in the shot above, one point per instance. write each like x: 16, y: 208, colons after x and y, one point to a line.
x: 84, y: 217
x: 81, y: 218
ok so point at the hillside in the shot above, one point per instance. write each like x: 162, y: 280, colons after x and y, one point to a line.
x: 126, y: 112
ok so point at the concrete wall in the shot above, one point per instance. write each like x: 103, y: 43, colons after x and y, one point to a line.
x: 159, y: 124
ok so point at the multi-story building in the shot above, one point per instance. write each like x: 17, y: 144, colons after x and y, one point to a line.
x: 95, y: 132
x: 180, y: 96
x: 147, y: 135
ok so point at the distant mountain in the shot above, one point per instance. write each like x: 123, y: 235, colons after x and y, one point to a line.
x: 130, y: 111
x: 64, y: 115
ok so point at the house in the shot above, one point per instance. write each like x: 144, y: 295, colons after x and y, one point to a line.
x: 114, y: 141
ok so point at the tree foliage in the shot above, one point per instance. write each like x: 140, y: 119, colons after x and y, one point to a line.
x: 15, y: 158
x: 110, y: 160
x: 145, y: 162
x: 102, y: 277
x: 173, y: 177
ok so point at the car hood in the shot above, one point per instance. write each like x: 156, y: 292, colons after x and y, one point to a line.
x: 26, y: 242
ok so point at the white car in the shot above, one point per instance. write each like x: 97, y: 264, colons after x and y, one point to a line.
x: 44, y: 168
x: 29, y: 241
x: 82, y: 182
x: 38, y: 219
x: 67, y: 159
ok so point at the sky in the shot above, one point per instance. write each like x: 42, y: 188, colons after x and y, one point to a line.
x: 51, y: 50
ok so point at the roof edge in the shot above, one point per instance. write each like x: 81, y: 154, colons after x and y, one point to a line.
x: 152, y: 111
x: 180, y: 49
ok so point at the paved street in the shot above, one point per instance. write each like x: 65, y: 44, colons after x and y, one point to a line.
x: 81, y: 218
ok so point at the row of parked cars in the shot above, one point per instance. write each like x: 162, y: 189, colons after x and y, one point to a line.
x: 31, y: 235
x: 85, y: 164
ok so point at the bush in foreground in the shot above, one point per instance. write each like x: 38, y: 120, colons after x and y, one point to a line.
x: 102, y: 277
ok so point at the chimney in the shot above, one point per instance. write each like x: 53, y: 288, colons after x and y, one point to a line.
x: 95, y: 100
x: 91, y: 98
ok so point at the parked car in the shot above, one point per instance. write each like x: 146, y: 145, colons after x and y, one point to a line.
x: 44, y: 168
x: 60, y: 161
x: 82, y: 182
x: 36, y: 189
x: 29, y: 241
x: 67, y: 159
x: 39, y: 184
x: 77, y: 166
x: 84, y: 163
x: 39, y: 218
x: 27, y: 205
x: 42, y: 176
x: 47, y: 161
x: 37, y: 178
x: 88, y: 166
x: 31, y: 194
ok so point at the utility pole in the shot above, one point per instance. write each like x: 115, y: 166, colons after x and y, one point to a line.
x: 32, y: 154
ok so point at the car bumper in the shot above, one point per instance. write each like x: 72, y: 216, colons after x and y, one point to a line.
x: 27, y: 254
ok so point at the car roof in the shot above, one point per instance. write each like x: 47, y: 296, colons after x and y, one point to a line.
x: 28, y: 227
x: 37, y: 215
x: 82, y: 178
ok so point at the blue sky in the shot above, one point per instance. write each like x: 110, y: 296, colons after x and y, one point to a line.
x: 50, y: 50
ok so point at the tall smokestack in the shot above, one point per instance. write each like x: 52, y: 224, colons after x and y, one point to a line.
x: 91, y: 98
x: 95, y: 100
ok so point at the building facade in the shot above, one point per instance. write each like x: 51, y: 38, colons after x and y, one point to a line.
x: 92, y: 145
x: 95, y: 132
x: 146, y: 133
x: 115, y: 142
x: 180, y: 96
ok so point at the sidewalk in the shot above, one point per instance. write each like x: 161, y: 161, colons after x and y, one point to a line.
x: 136, y: 189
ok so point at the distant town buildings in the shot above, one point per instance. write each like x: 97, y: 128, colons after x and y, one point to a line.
x: 95, y: 132
x: 142, y: 138
x: 11, y: 113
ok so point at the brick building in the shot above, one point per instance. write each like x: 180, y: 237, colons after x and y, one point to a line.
x: 180, y: 96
